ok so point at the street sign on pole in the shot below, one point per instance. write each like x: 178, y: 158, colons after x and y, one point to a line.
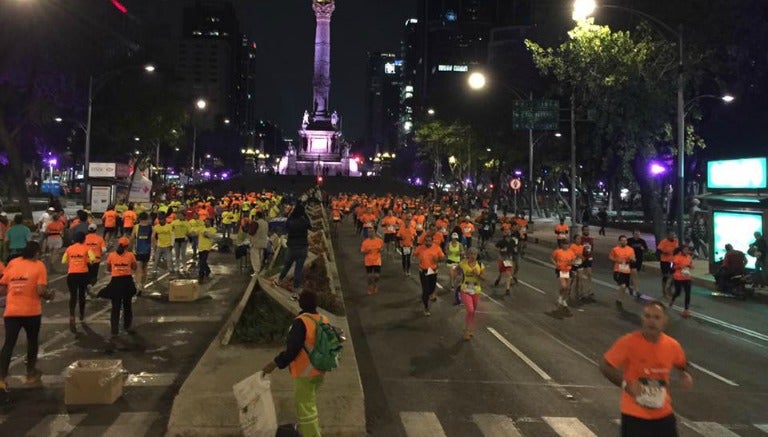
x: 515, y: 184
x: 536, y: 114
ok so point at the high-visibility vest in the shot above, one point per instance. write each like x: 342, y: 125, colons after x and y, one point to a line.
x: 300, y: 367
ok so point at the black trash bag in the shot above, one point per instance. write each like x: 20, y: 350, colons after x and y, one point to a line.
x: 288, y: 430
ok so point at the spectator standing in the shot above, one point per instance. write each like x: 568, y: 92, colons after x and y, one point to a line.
x: 298, y: 227
x: 17, y: 236
x: 258, y: 232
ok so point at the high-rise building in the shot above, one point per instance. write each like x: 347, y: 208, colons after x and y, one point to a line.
x: 383, y: 101
x: 209, y: 59
x: 245, y: 111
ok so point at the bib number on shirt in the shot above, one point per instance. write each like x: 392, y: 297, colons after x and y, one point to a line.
x: 467, y: 230
x: 470, y: 289
x: 508, y: 263
x: 624, y: 268
x: 406, y: 250
x: 565, y: 274
x: 431, y: 272
x: 577, y: 262
x: 686, y: 272
x: 654, y: 394
x: 391, y: 228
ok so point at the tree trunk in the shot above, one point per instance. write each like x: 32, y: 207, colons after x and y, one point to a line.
x: 650, y: 195
x: 16, y: 167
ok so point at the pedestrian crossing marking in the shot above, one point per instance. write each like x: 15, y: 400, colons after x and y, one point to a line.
x: 133, y: 380
x: 761, y: 426
x: 133, y: 424
x: 419, y: 424
x: 496, y: 425
x: 711, y: 429
x: 568, y: 427
x: 56, y: 425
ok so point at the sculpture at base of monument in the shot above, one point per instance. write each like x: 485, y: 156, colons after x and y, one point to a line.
x: 305, y: 120
x: 345, y: 151
x: 335, y: 119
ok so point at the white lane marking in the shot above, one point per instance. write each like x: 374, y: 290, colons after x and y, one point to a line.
x: 532, y: 287
x: 713, y: 374
x: 135, y: 424
x: 544, y: 375
x: 420, y: 424
x: 569, y: 427
x: 710, y: 429
x: 55, y: 425
x: 694, y: 314
x: 761, y: 426
x: 143, y: 320
x: 496, y: 425
x: 565, y: 345
x: 133, y: 380
x: 496, y: 302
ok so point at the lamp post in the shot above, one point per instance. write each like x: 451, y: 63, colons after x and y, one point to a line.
x: 94, y: 88
x: 583, y: 9
x: 200, y: 104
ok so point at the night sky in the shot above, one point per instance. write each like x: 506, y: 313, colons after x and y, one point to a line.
x: 284, y: 31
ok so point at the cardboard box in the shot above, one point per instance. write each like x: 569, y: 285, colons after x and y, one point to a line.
x: 90, y: 382
x: 184, y: 290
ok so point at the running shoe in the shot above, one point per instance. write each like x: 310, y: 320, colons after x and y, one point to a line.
x: 685, y: 314
x: 34, y: 378
x: 427, y: 313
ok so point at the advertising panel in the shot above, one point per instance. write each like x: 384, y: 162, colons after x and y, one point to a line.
x: 100, y: 199
x: 736, y: 228
x: 734, y: 174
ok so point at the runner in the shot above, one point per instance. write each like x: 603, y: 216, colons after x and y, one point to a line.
x: 109, y: 220
x: 142, y: 238
x: 640, y: 363
x: 78, y: 256
x: 390, y: 224
x: 640, y: 247
x: 562, y: 258
x: 467, y: 229
x: 120, y: 264
x: 508, y: 249
x: 371, y: 248
x: 25, y: 281
x: 406, y: 235
x: 129, y: 220
x: 206, y: 244
x: 98, y: 247
x: 622, y: 256
x: 471, y: 288
x: 666, y: 249
x: 54, y: 241
x: 180, y: 228
x: 576, y: 283
x: 561, y: 230
x: 162, y: 243
x: 429, y: 254
x: 455, y: 252
x: 682, y: 263
x: 586, y: 266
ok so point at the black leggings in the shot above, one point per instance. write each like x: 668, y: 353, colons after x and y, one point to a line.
x: 406, y: 261
x: 78, y: 285
x: 428, y: 285
x: 636, y: 427
x: 13, y: 326
x: 681, y: 286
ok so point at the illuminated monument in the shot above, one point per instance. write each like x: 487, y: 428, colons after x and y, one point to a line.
x: 320, y: 152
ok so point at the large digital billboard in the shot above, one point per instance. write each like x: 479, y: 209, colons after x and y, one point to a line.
x: 736, y: 228
x: 745, y: 174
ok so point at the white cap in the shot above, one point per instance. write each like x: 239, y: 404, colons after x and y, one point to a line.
x: 467, y: 217
x: 92, y: 227
x: 50, y: 208
x: 455, y: 236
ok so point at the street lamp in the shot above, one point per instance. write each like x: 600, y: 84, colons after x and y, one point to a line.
x: 200, y: 104
x: 582, y: 9
x: 477, y: 80
x: 430, y: 111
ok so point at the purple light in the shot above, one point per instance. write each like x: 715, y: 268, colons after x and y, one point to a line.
x: 207, y: 174
x: 53, y: 162
x: 656, y: 169
x: 518, y: 173
x: 224, y: 175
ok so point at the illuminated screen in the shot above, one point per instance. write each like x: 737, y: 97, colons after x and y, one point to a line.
x: 738, y: 229
x: 748, y: 173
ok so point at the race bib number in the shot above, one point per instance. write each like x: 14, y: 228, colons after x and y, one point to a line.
x: 624, y: 268
x: 419, y: 227
x: 515, y: 240
x: 487, y: 227
x: 467, y: 230
x: 391, y: 228
x: 508, y: 263
x: 653, y: 396
x: 444, y: 231
x: 406, y: 250
x: 686, y: 272
x: 577, y: 262
x: 431, y: 272
x: 470, y: 289
x: 587, y: 247
x: 565, y: 274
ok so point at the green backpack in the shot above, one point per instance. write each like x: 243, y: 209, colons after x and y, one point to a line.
x: 327, y: 351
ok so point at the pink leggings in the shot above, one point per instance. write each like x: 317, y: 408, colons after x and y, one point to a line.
x: 470, y: 302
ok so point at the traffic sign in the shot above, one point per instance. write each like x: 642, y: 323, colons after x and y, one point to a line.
x: 515, y: 184
x: 536, y: 114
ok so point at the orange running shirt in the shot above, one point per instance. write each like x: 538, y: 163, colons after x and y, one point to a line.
x: 564, y: 259
x: 121, y: 265
x: 96, y: 244
x: 667, y: 249
x: 54, y: 228
x: 649, y: 363
x: 390, y: 224
x: 406, y: 236
x: 624, y: 254
x: 371, y: 247
x: 429, y: 256
x: 682, y: 262
x: 129, y: 218
x: 22, y: 278
x: 78, y: 257
x: 109, y: 218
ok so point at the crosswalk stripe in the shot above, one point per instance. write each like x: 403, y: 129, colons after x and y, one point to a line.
x: 569, y: 427
x: 419, y: 424
x: 56, y: 424
x: 496, y: 425
x: 761, y: 426
x: 711, y: 429
x: 134, y: 424
x: 132, y: 380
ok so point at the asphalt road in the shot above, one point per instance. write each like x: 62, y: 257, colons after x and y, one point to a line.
x: 531, y: 370
x: 169, y: 340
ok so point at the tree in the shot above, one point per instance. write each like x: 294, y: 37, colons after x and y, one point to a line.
x: 627, y: 81
x: 439, y: 140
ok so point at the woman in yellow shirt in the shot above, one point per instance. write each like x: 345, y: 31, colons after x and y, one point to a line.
x: 471, y: 288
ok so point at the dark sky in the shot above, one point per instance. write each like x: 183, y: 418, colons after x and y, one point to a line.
x: 284, y: 31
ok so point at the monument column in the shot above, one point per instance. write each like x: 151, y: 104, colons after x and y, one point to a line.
x: 322, y: 77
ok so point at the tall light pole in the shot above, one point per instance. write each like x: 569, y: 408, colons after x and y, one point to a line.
x: 200, y: 104
x: 583, y: 9
x: 94, y: 88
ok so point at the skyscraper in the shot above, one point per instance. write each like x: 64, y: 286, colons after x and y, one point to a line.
x: 383, y: 101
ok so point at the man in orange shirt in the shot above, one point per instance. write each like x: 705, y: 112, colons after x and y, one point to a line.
x: 561, y: 230
x: 640, y: 363
x: 98, y: 246
x: 129, y: 220
x: 371, y: 248
x: 467, y: 228
x: 368, y: 219
x: 109, y: 219
x: 406, y: 235
x: 390, y: 223
x: 25, y: 281
x: 666, y: 250
x: 429, y: 255
x: 622, y: 256
x: 563, y: 260
x: 77, y: 256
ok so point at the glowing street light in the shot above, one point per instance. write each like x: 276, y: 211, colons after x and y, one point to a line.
x: 431, y: 111
x: 137, y: 139
x: 558, y: 134
x: 201, y: 104
x: 476, y: 80
x: 226, y: 121
x: 58, y: 119
x: 728, y: 98
x: 583, y: 9
x: 656, y: 169
x: 149, y: 68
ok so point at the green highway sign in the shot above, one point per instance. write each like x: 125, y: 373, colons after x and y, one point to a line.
x: 536, y: 114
